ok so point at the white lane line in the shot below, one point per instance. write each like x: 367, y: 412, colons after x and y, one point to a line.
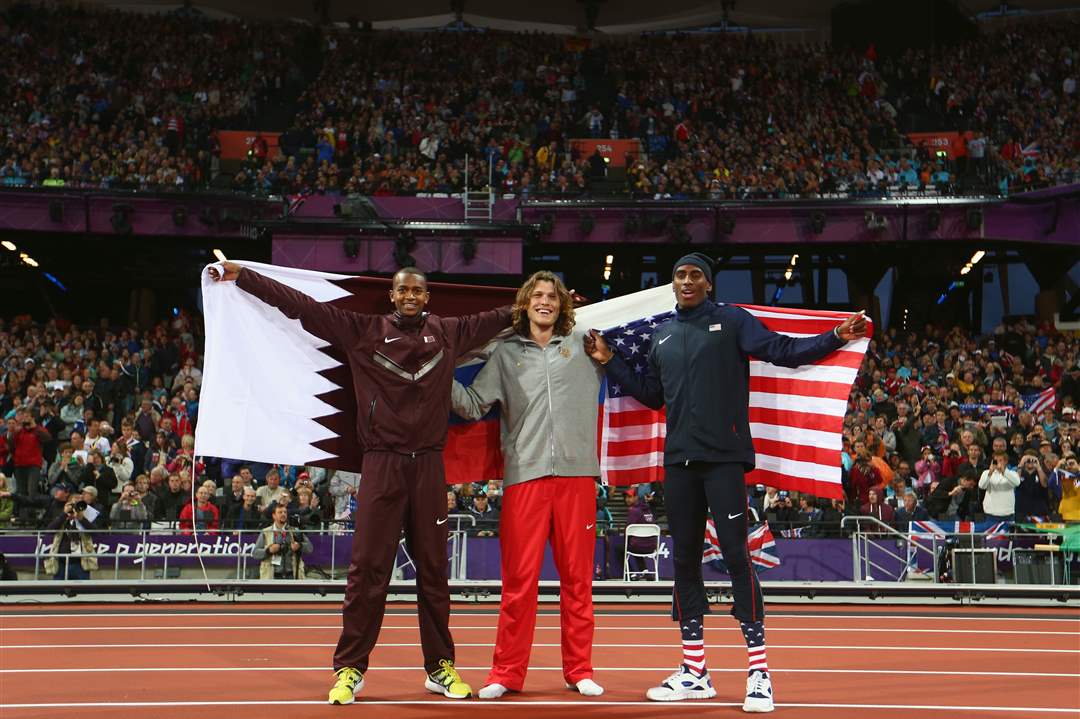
x: 495, y: 612
x: 492, y: 627
x: 860, y: 647
x: 712, y: 670
x: 578, y: 704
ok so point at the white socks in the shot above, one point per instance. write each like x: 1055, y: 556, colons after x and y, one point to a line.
x: 587, y: 688
x: 492, y: 691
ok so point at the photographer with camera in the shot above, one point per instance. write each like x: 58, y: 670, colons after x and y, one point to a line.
x: 72, y: 541
x: 999, y: 483
x: 1033, y: 494
x: 26, y: 442
x: 119, y: 462
x: 99, y: 475
x: 129, y: 512
x: 280, y: 548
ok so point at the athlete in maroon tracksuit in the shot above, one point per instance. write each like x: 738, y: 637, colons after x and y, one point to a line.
x: 402, y: 366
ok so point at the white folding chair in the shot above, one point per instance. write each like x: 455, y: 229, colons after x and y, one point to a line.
x: 651, y: 531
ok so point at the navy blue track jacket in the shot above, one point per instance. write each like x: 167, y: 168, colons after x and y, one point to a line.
x: 698, y: 365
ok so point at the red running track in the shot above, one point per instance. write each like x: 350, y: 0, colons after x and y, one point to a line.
x: 266, y: 660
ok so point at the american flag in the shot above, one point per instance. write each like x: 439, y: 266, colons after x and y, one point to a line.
x: 796, y: 415
x: 759, y: 541
x: 1043, y: 400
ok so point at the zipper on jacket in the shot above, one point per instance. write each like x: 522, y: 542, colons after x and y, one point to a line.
x: 551, y: 411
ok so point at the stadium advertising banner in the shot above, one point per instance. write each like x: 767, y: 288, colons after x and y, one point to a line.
x: 954, y: 143
x: 615, y: 151
x: 235, y: 143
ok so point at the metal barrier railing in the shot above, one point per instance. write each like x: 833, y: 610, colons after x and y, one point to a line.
x: 142, y: 549
x: 911, y: 546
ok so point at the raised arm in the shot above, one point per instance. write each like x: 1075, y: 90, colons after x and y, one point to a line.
x: 646, y: 389
x: 471, y: 331
x: 758, y: 341
x: 322, y: 319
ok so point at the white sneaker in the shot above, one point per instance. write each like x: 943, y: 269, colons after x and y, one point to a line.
x: 683, y: 684
x: 758, y: 693
x: 492, y: 691
x: 587, y: 688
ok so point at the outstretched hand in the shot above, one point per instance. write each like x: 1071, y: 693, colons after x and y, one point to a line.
x: 596, y: 347
x: 853, y: 328
x: 232, y: 271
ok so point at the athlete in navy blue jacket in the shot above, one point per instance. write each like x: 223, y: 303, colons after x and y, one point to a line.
x: 698, y: 366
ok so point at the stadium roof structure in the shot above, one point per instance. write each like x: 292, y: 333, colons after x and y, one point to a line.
x: 559, y: 16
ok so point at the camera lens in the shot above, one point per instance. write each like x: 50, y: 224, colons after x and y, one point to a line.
x: 80, y: 506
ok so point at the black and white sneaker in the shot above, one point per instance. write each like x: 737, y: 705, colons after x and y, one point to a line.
x: 683, y: 684
x: 758, y: 693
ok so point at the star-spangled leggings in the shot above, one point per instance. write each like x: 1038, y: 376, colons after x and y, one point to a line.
x: 690, y: 492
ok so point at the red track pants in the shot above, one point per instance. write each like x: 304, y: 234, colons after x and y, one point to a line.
x: 561, y: 510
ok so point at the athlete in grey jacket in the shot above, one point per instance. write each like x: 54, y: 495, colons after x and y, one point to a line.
x: 548, y: 391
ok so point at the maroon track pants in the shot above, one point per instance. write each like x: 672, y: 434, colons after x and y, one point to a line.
x: 397, y: 490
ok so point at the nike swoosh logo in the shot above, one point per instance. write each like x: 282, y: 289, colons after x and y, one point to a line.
x: 733, y: 516
x: 664, y: 340
x: 388, y: 340
x: 440, y: 521
x: 589, y: 526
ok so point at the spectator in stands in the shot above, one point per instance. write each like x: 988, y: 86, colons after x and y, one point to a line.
x: 343, y: 487
x: 910, y: 511
x: 280, y: 548
x: 876, y: 508
x: 831, y: 517
x: 927, y: 469
x: 307, y: 512
x: 7, y: 504
x: 98, y: 475
x: 964, y: 498
x: 1065, y: 488
x: 234, y: 496
x: 25, y: 441
x: 120, y: 464
x: 245, y: 516
x: 786, y: 514
x: 604, y: 520
x: 171, y: 500
x: 128, y: 512
x: 864, y: 475
x: 1032, y: 496
x: 999, y: 485
x: 146, y: 496
x: 487, y: 517
x: 202, y: 515
x: 270, y: 492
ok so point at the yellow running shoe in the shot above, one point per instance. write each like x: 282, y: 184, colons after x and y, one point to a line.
x: 349, y: 683
x: 446, y: 681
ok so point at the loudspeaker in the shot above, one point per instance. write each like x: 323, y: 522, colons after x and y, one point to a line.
x: 981, y: 560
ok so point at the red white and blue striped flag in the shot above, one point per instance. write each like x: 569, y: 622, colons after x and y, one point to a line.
x: 796, y: 415
x: 1036, y: 403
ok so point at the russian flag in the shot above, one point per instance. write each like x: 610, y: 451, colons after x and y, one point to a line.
x: 472, y: 452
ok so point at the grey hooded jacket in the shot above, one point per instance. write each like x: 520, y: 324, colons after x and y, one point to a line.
x: 549, y: 399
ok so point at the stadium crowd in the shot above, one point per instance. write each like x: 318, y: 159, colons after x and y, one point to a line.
x: 98, y: 99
